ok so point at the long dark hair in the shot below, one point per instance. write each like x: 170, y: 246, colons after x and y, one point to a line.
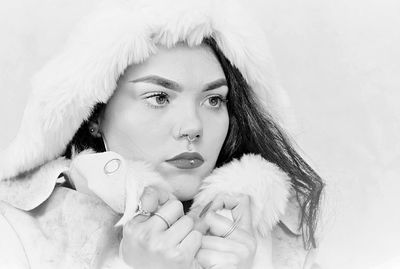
x: 251, y: 130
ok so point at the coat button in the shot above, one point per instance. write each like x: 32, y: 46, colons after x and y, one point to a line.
x: 112, y: 166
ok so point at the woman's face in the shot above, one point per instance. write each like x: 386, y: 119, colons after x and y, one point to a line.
x: 176, y: 92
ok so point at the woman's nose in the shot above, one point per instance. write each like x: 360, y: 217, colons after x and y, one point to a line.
x: 190, y: 125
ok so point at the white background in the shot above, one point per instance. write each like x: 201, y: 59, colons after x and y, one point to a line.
x: 340, y: 62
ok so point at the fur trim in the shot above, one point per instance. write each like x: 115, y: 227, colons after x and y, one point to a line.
x: 266, y: 184
x: 121, y: 33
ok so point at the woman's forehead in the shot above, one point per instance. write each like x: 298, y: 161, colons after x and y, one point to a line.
x: 183, y: 64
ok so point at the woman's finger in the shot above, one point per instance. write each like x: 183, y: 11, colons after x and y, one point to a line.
x: 222, y: 244
x: 240, y: 206
x: 166, y: 215
x: 209, y: 258
x: 152, y: 197
x: 178, y: 231
x: 191, y: 244
x: 220, y: 225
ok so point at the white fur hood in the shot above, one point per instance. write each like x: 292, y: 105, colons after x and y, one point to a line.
x: 120, y: 33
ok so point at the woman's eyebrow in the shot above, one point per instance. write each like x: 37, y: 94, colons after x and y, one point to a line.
x: 215, y: 84
x: 169, y: 84
x: 166, y: 83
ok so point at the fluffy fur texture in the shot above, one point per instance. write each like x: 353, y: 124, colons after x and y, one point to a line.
x: 121, y: 33
x: 266, y: 184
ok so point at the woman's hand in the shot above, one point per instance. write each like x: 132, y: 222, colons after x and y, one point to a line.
x: 236, y: 250
x: 148, y: 242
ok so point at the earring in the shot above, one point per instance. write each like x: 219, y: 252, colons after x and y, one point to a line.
x: 104, y: 142
x: 94, y: 130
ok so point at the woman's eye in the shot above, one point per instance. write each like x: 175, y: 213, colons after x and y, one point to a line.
x: 214, y: 101
x: 157, y: 99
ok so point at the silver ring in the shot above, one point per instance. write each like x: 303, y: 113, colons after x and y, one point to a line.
x: 191, y: 139
x: 163, y: 218
x: 231, y: 229
x: 141, y: 211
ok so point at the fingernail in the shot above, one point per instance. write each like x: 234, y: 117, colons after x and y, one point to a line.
x: 205, y: 209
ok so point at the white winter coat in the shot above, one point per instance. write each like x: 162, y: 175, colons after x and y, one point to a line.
x: 45, y: 225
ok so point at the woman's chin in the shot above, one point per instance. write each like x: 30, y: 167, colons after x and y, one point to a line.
x: 185, y: 183
x: 185, y: 187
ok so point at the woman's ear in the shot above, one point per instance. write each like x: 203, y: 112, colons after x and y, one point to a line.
x: 94, y: 128
x: 94, y: 124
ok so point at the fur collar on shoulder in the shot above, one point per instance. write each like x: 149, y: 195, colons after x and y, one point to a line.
x: 267, y: 185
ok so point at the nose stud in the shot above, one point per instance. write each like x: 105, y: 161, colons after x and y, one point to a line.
x: 190, y: 144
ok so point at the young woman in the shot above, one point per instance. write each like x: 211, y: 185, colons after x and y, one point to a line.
x: 168, y: 113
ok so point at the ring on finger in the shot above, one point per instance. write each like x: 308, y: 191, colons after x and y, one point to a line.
x: 163, y: 218
x: 141, y: 211
x: 231, y: 229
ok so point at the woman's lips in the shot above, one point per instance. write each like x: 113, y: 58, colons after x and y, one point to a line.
x: 186, y: 160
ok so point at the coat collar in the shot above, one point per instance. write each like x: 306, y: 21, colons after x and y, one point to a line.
x: 29, y: 190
